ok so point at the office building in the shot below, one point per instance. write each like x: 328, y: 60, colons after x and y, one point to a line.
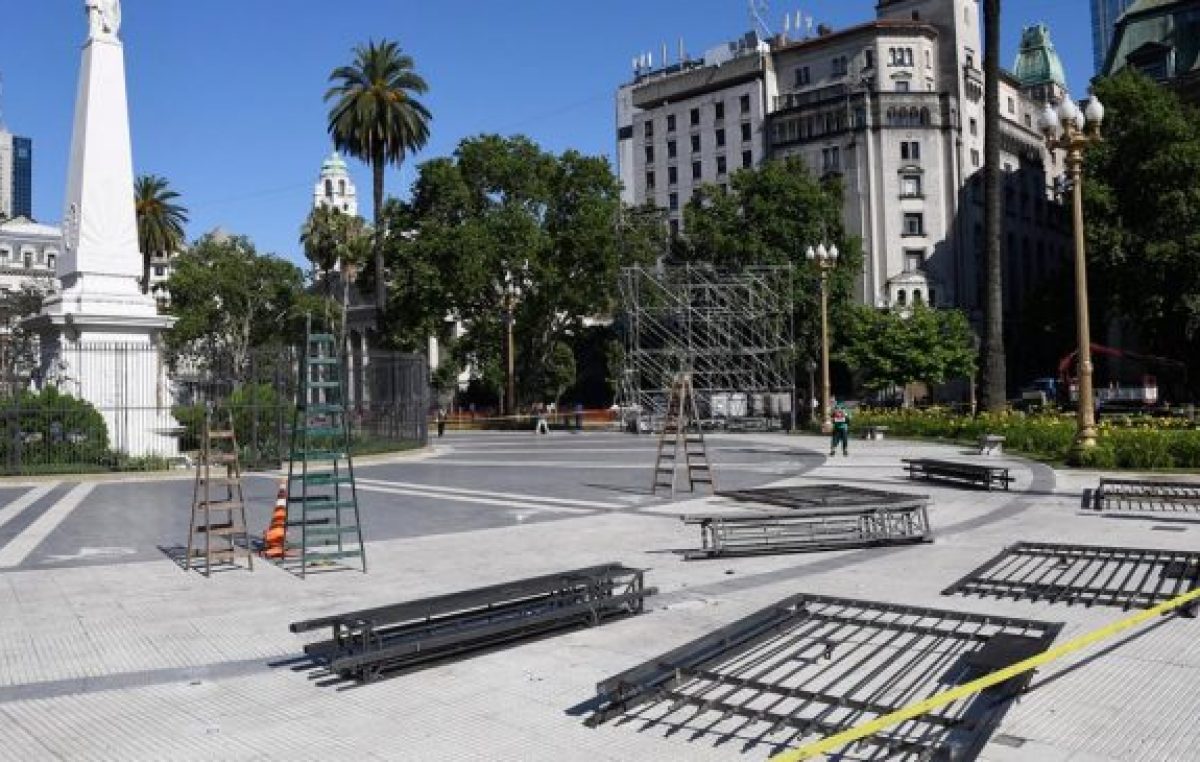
x: 16, y: 176
x: 1104, y: 22
x: 1161, y: 39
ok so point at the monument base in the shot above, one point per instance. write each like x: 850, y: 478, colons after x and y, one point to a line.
x: 107, y: 351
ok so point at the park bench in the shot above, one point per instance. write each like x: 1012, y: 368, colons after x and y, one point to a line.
x: 807, y: 530
x: 365, y: 643
x: 1144, y: 496
x: 991, y: 444
x: 962, y: 473
x: 874, y: 432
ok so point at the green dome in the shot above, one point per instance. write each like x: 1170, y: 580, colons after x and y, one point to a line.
x: 335, y: 164
x: 1037, y: 62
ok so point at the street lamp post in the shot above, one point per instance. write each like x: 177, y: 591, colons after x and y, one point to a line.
x: 1070, y: 129
x: 812, y: 392
x: 825, y: 258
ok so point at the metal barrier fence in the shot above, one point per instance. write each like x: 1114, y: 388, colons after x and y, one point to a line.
x: 149, y: 403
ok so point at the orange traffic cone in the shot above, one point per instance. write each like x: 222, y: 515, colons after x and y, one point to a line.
x: 274, y: 539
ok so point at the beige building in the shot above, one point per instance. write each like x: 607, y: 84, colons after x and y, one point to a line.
x: 894, y: 106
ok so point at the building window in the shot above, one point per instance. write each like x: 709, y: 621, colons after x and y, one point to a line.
x: 718, y: 111
x: 910, y: 150
x: 648, y: 129
x: 672, y: 175
x: 914, y: 260
x: 720, y: 137
x: 901, y: 297
x: 697, y: 170
x: 695, y: 116
x: 50, y: 261
x: 914, y: 223
x: 838, y: 66
x: 674, y: 227
x: 649, y: 154
x: 869, y: 58
x: 974, y: 157
x: 901, y: 56
x: 747, y: 159
x: 649, y: 181
x: 28, y: 260
x: 916, y: 296
x: 329, y: 189
x: 670, y: 149
x: 721, y: 167
x: 910, y: 186
x: 670, y: 122
x: 974, y: 126
x: 831, y: 159
x: 1012, y: 106
x: 673, y: 202
x: 928, y: 60
x: 159, y: 271
x: 745, y: 104
x: 1028, y: 121
x: 801, y: 77
x: 745, y: 131
x: 902, y: 86
x: 695, y: 144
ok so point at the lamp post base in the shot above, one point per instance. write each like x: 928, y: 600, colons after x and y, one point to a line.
x: 827, y: 427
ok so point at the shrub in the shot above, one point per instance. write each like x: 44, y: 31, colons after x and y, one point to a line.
x: 51, y: 428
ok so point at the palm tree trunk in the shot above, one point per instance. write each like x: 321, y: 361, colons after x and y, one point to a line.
x: 146, y: 272
x: 377, y: 167
x: 994, y: 381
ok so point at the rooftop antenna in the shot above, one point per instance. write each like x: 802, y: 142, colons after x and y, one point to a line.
x: 664, y: 51
x: 2, y: 127
x: 787, y: 23
x: 757, y: 9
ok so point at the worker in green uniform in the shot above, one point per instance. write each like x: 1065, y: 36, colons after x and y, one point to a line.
x: 841, y: 430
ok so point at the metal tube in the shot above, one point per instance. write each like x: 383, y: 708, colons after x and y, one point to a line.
x: 826, y: 421
x: 1085, y: 437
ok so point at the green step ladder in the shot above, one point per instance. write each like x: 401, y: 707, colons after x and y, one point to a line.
x: 323, y: 528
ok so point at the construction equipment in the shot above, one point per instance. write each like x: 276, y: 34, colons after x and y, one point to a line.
x: 218, y: 504
x: 323, y: 526
x: 684, y: 436
x: 366, y: 643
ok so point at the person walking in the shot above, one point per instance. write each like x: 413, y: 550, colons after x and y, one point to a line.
x: 441, y: 422
x: 841, y: 430
x: 542, y: 426
x: 578, y: 416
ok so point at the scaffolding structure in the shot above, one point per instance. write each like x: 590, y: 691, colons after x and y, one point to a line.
x: 733, y: 332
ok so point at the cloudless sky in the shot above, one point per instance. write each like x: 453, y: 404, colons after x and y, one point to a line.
x: 226, y: 95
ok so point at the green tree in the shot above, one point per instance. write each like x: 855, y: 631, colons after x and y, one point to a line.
x: 994, y: 381
x: 334, y: 241
x: 559, y: 372
x: 376, y: 117
x: 1142, y: 216
x: 160, y: 221
x: 897, y: 348
x: 19, y: 347
x: 770, y: 216
x: 504, y: 219
x: 227, y: 298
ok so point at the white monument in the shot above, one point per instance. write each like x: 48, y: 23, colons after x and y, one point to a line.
x: 100, y: 334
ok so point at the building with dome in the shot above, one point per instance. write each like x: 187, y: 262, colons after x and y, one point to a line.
x: 894, y: 108
x: 335, y: 188
x: 1161, y: 39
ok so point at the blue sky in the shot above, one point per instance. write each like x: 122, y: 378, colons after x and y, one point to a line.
x: 226, y: 95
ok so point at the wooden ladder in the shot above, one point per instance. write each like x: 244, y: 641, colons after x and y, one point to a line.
x: 681, y: 442
x: 218, y: 447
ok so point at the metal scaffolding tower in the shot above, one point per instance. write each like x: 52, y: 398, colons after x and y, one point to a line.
x: 733, y: 332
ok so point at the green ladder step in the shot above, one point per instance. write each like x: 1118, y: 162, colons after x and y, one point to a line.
x: 325, y: 456
x: 318, y: 503
x: 315, y: 337
x: 322, y: 384
x: 321, y: 431
x: 322, y: 479
x: 322, y: 360
x: 331, y: 531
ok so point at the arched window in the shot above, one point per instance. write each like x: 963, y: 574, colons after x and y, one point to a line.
x: 901, y: 297
x: 342, y: 187
x: 932, y: 298
x: 916, y: 296
x: 329, y: 189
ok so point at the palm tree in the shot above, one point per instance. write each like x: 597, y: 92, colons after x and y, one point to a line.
x: 333, y: 240
x: 994, y: 381
x: 160, y: 221
x: 375, y: 118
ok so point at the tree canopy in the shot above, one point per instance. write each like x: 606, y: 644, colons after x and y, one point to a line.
x: 895, y: 348
x: 1142, y: 215
x: 160, y: 221
x: 503, y: 219
x: 227, y: 298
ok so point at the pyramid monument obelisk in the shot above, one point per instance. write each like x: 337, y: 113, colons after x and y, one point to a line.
x: 100, y: 335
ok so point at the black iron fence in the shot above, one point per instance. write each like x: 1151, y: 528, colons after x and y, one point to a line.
x: 129, y: 407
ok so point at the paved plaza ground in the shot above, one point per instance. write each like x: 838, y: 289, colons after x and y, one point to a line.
x: 109, y: 650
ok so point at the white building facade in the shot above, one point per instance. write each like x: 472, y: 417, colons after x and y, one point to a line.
x: 894, y: 107
x: 335, y: 188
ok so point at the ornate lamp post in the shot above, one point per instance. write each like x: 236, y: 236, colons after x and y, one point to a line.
x: 825, y: 258
x: 1068, y: 128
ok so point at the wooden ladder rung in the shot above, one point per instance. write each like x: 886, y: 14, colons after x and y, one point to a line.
x: 220, y: 435
x: 221, y: 505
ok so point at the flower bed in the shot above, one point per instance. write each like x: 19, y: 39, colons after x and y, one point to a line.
x: 1131, y: 442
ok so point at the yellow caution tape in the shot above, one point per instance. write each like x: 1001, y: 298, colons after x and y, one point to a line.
x: 941, y: 699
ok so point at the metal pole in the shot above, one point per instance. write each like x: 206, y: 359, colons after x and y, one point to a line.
x: 510, y: 391
x: 826, y: 422
x: 1085, y: 437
